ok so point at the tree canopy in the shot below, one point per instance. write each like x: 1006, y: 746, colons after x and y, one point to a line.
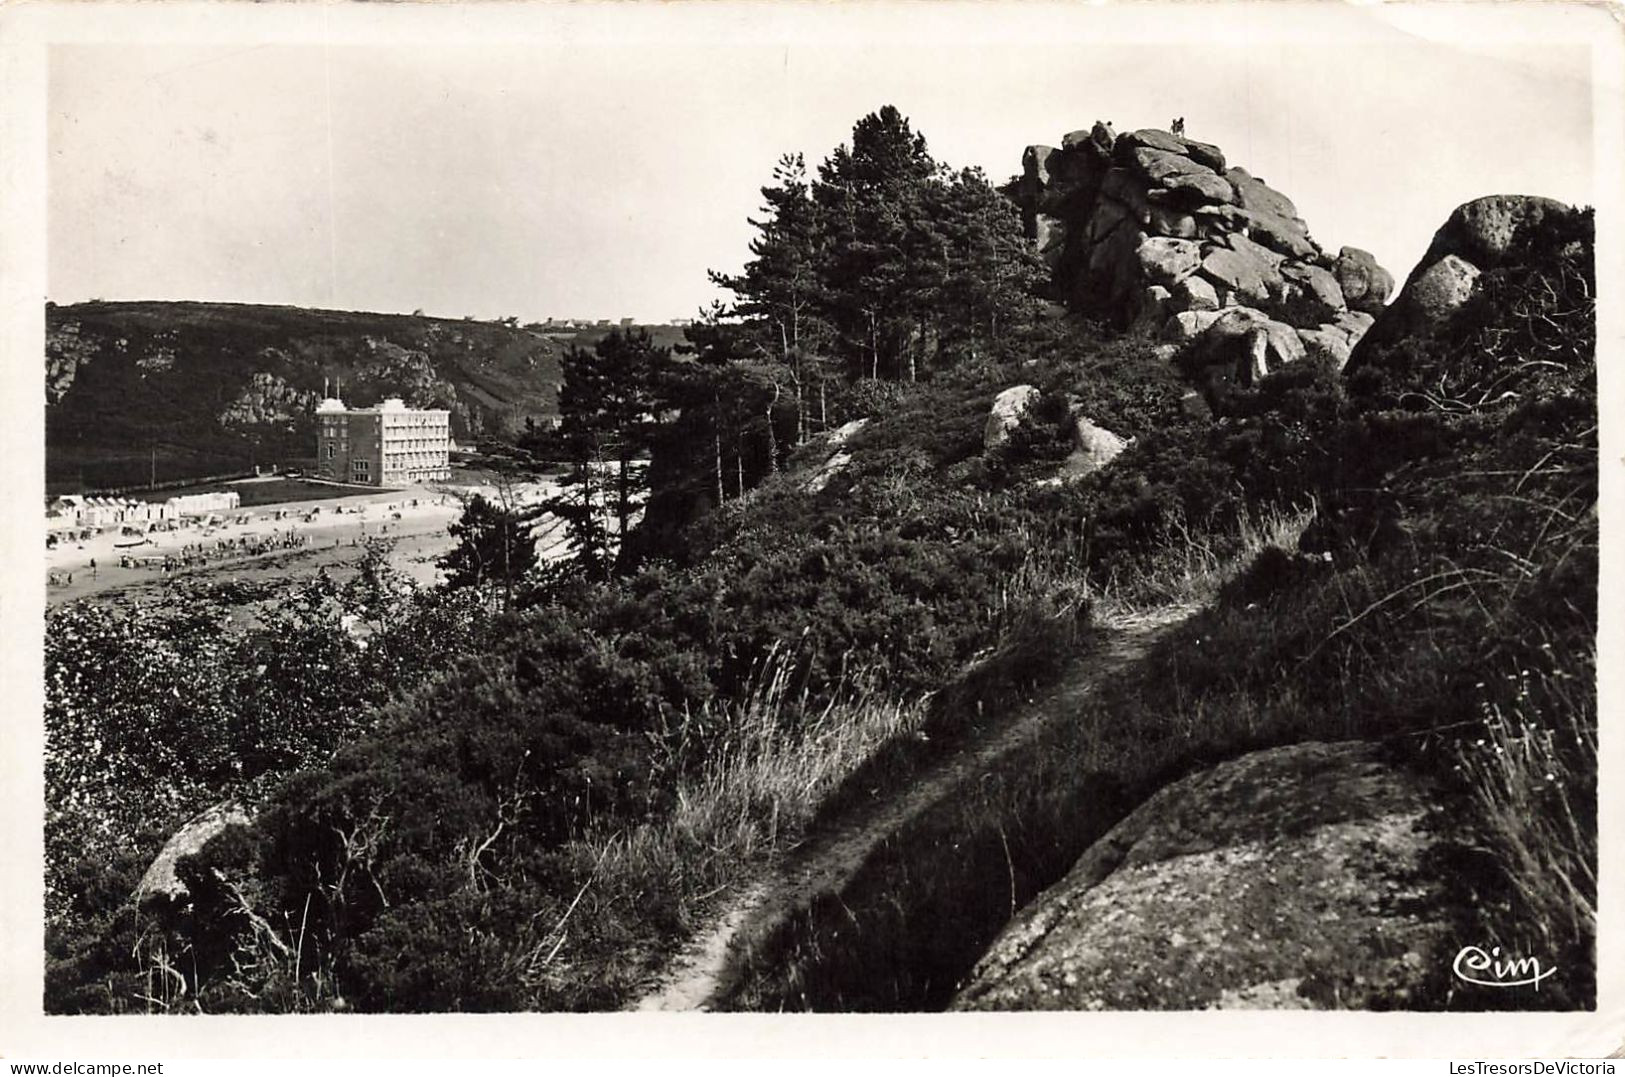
x: 495, y: 547
x: 609, y: 407
x: 888, y: 258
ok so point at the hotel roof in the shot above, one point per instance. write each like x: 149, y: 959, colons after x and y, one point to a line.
x: 332, y: 405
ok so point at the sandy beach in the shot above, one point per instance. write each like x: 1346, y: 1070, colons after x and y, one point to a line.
x: 301, y: 537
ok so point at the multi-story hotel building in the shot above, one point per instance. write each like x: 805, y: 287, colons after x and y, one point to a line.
x: 390, y: 445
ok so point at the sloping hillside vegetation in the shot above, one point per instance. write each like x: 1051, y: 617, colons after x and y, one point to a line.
x: 183, y: 390
x: 845, y: 572
x: 1447, y: 611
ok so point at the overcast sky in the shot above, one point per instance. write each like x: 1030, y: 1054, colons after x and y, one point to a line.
x: 600, y: 172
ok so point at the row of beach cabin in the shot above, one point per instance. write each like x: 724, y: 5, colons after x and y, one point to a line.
x: 74, y: 512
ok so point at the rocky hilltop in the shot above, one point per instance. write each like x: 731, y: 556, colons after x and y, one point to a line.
x: 1160, y: 232
x: 1012, y: 678
x: 1309, y: 875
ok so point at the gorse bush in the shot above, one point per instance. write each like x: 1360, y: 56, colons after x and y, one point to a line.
x: 154, y: 714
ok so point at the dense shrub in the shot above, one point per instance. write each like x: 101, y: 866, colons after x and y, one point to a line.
x: 155, y: 713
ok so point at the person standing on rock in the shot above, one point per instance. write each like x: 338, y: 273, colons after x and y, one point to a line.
x: 1178, y: 126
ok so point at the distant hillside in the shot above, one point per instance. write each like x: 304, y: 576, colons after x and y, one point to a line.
x: 207, y: 388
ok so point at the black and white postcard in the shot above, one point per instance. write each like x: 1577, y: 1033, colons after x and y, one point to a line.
x: 1077, y: 528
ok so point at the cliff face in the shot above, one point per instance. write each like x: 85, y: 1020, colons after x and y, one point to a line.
x: 1160, y: 233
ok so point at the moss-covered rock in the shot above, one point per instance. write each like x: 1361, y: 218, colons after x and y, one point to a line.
x: 1289, y: 878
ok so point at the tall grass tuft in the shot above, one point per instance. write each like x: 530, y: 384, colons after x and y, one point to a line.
x: 763, y: 777
x: 1189, y: 566
x: 769, y: 761
x: 1532, y: 775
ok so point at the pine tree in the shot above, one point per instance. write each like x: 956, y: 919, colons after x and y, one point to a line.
x: 781, y: 287
x: 607, y: 408
x: 992, y: 275
x: 876, y: 196
x: 883, y: 264
x: 495, y: 547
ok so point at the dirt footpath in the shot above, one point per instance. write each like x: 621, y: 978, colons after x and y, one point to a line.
x: 827, y: 861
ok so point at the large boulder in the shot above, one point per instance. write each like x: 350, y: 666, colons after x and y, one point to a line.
x: 1477, y: 237
x: 1154, y: 308
x: 1006, y: 413
x: 1314, y: 296
x: 1365, y: 284
x: 1114, y: 276
x: 1240, y: 273
x: 1196, y: 293
x: 1481, y: 231
x: 1166, y: 220
x: 1093, y: 447
x: 1121, y: 185
x: 1259, y: 197
x: 1197, y: 188
x: 1270, y: 260
x: 1116, y: 249
x: 1333, y: 342
x: 160, y: 881
x: 1188, y: 325
x: 1109, y: 215
x: 839, y: 459
x: 1424, y: 305
x: 1355, y: 322
x: 1284, y: 235
x: 1035, y: 164
x: 1205, y: 153
x: 1431, y: 296
x: 1152, y: 138
x: 1326, y: 344
x: 1242, y: 346
x: 1218, y: 221
x: 1294, y: 878
x: 1235, y: 323
x: 1100, y: 137
x: 1443, y: 287
x: 1271, y: 347
x: 1168, y: 261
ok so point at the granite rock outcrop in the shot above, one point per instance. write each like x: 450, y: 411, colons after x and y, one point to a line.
x: 1476, y: 238
x: 1161, y: 233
